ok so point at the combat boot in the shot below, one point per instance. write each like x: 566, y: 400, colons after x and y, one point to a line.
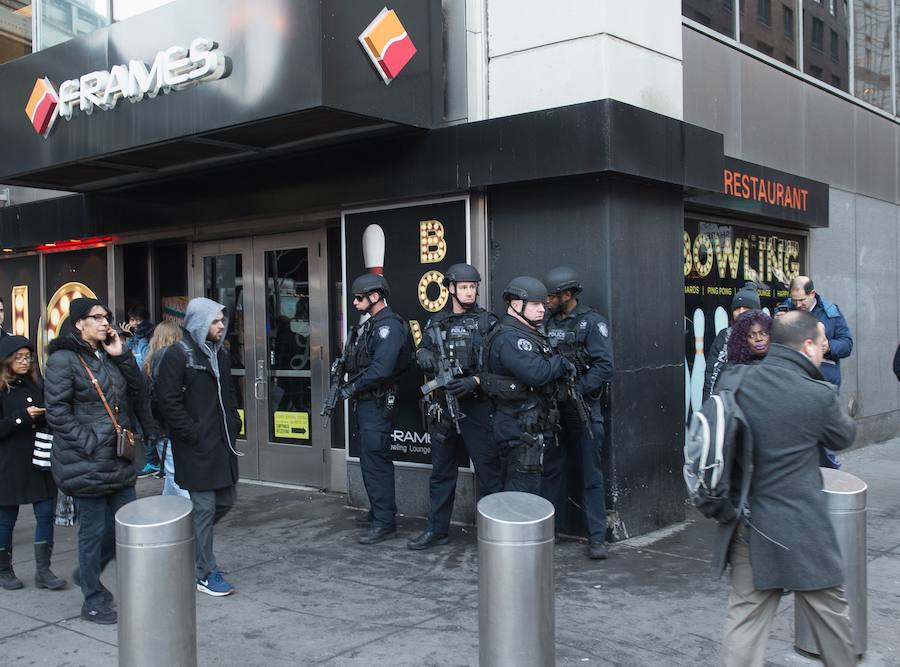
x: 8, y: 578
x: 43, y: 577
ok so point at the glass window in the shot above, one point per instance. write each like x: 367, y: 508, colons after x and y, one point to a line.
x: 15, y: 29
x: 825, y: 43
x: 61, y: 20
x: 125, y: 9
x: 758, y: 32
x: 872, y: 52
x: 715, y: 14
x: 897, y: 48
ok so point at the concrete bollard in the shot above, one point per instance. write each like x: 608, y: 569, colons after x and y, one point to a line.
x: 846, y: 499
x: 157, y: 583
x: 516, y: 618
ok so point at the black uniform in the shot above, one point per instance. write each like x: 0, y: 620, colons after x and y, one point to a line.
x: 523, y: 378
x: 463, y: 336
x: 582, y: 337
x: 373, y: 365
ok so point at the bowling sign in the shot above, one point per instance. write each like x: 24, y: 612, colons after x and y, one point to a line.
x: 411, y: 246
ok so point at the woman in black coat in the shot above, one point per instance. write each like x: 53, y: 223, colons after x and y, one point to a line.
x: 21, y: 482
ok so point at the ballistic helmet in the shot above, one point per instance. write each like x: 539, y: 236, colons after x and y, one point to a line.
x: 525, y: 288
x: 370, y: 282
x: 461, y: 273
x: 563, y: 278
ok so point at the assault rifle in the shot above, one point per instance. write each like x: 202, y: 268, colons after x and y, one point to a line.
x: 581, y: 406
x: 446, y: 370
x: 338, y: 368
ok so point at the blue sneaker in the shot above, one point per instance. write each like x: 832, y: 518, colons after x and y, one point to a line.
x: 148, y: 471
x: 215, y: 585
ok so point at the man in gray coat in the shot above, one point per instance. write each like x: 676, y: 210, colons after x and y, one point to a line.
x: 787, y: 542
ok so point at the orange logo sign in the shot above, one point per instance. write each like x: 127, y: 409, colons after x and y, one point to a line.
x: 42, y: 106
x: 387, y: 44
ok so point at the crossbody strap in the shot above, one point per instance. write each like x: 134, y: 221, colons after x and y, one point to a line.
x: 100, y: 392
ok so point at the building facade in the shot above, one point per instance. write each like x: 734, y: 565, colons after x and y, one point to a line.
x: 264, y: 153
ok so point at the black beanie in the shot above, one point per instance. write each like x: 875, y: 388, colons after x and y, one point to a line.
x: 79, y: 308
x: 746, y: 297
x: 9, y: 345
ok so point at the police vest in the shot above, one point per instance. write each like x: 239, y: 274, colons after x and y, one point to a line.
x: 359, y: 352
x: 569, y: 336
x: 464, y: 337
x: 509, y: 393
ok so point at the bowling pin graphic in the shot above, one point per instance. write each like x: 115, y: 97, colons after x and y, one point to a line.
x: 373, y: 249
x: 698, y: 372
x: 721, y: 319
x: 687, y: 390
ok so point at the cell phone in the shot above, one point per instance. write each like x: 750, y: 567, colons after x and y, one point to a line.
x: 782, y: 308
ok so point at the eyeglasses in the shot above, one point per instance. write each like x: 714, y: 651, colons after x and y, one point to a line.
x: 358, y: 297
x: 98, y: 318
x: 26, y: 358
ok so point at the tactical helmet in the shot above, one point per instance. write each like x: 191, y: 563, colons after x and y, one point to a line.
x: 562, y: 278
x: 525, y: 288
x: 461, y: 273
x: 370, y: 282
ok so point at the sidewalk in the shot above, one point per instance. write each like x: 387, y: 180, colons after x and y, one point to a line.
x: 308, y: 594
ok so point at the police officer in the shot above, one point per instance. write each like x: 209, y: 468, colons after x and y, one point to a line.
x: 524, y: 377
x: 462, y: 328
x: 377, y: 354
x: 582, y: 336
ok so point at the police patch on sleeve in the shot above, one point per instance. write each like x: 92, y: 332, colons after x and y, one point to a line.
x: 524, y: 345
x: 604, y: 330
x: 384, y: 332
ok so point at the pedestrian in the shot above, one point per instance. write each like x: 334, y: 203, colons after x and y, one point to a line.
x: 786, y: 541
x: 377, y: 354
x: 165, y: 335
x: 582, y: 336
x: 525, y: 376
x: 746, y: 298
x: 838, y: 341
x: 93, y: 387
x: 749, y: 340
x: 137, y: 331
x: 195, y: 394
x: 21, y: 481
x: 462, y: 328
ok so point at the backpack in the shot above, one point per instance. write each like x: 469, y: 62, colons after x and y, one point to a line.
x: 717, y: 438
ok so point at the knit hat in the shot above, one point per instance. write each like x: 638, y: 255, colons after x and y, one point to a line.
x: 9, y: 345
x: 746, y: 297
x: 79, y: 308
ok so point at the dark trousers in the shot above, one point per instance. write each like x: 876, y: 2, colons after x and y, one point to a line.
x: 97, y: 539
x: 375, y: 460
x: 576, y: 440
x: 515, y: 478
x: 209, y: 508
x: 477, y: 438
x: 43, y: 517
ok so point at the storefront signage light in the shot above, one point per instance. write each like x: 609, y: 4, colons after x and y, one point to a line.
x: 175, y: 68
x: 758, y: 188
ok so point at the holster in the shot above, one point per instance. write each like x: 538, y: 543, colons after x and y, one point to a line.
x: 533, y: 453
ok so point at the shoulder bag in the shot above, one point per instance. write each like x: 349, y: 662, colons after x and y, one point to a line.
x: 124, y: 437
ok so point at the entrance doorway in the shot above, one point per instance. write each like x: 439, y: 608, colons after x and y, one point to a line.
x: 273, y: 288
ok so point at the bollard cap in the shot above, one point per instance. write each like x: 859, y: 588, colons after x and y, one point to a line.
x: 844, y: 492
x: 512, y: 516
x: 155, y: 520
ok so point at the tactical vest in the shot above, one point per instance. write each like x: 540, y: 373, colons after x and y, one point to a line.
x: 569, y: 336
x: 464, y: 337
x: 359, y: 353
x: 510, y: 395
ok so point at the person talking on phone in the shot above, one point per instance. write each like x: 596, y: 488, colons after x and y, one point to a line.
x: 85, y: 460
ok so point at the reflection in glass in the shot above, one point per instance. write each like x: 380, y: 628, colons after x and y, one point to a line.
x: 768, y: 26
x: 223, y: 281
x: 826, y: 26
x: 15, y: 29
x: 872, y: 52
x: 288, y: 345
x: 125, y: 9
x: 61, y: 20
x: 715, y: 14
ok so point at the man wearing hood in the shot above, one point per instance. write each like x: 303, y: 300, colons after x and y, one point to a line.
x: 196, y: 395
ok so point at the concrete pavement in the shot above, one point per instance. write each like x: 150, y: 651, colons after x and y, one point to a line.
x: 308, y: 594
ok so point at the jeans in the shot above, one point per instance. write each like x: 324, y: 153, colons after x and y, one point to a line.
x: 43, y: 515
x: 209, y: 508
x: 170, y: 488
x: 97, y: 539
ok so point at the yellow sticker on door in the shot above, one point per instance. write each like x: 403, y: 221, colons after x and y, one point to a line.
x: 293, y: 425
x: 243, y: 432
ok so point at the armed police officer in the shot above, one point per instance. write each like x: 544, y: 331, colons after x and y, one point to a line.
x: 582, y: 336
x: 524, y: 376
x: 462, y: 329
x: 377, y: 353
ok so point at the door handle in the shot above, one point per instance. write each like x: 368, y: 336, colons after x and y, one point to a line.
x: 259, y: 390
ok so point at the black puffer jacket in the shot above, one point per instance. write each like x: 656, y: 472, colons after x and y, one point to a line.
x: 84, y: 461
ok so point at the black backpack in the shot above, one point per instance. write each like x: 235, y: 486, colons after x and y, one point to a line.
x: 717, y: 437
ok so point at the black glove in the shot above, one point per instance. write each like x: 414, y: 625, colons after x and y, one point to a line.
x: 462, y: 386
x: 425, y: 359
x: 347, y: 391
x: 571, y: 371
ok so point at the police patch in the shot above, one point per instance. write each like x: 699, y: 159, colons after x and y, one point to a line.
x: 604, y: 330
x: 384, y: 332
x: 583, y: 324
x: 524, y: 345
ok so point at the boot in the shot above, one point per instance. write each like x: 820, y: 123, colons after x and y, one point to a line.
x: 8, y: 578
x: 43, y: 577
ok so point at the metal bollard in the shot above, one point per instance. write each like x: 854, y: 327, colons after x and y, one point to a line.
x: 516, y: 620
x: 846, y: 499
x: 157, y: 583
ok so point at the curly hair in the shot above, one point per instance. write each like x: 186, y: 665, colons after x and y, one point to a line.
x: 738, y: 350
